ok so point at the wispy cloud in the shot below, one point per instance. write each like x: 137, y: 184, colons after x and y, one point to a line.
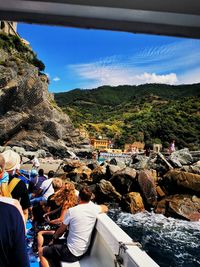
x: 56, y: 79
x: 116, y: 75
x: 162, y: 64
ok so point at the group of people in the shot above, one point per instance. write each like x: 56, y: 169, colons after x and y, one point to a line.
x: 51, y: 199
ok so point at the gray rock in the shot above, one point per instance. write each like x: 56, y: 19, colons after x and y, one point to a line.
x: 29, y: 116
x: 181, y: 157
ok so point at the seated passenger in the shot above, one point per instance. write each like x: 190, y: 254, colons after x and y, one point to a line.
x: 17, y: 187
x: 39, y: 209
x: 64, y: 199
x: 36, y: 180
x: 45, y: 190
x: 79, y: 236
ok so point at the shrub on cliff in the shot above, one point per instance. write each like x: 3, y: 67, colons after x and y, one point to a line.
x: 13, y: 45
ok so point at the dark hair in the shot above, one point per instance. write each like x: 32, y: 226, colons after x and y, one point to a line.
x: 85, y: 194
x: 51, y: 174
x: 41, y: 172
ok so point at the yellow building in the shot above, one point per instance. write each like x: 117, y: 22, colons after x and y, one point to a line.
x: 100, y: 144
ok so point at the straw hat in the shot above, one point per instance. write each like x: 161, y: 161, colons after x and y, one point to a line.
x: 12, y: 160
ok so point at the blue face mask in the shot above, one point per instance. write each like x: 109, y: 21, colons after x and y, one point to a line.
x: 5, y: 178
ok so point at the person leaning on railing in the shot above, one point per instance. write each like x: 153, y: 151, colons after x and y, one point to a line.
x: 78, y: 239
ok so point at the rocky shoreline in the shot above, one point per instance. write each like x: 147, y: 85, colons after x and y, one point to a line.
x: 168, y: 185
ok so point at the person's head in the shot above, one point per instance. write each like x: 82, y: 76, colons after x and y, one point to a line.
x: 66, y: 196
x: 51, y: 174
x: 41, y: 172
x: 57, y: 183
x: 33, y: 173
x: 12, y: 161
x: 69, y: 186
x: 85, y: 194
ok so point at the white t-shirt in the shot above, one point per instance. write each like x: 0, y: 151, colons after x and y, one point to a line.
x: 81, y: 220
x: 35, y: 162
x: 45, y: 185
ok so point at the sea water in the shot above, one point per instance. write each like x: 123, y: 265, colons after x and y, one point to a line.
x: 170, y: 242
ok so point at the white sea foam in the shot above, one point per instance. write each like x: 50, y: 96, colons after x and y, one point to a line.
x: 176, y: 239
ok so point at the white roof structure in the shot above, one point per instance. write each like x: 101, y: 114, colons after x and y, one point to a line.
x: 171, y: 17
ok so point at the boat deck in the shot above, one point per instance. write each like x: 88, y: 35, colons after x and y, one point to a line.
x: 108, y: 241
x: 85, y: 262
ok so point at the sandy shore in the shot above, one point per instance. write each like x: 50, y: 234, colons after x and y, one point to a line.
x: 46, y: 166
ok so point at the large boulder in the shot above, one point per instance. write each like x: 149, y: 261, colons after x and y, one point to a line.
x: 98, y: 174
x: 181, y: 157
x: 105, y: 192
x: 29, y: 116
x: 132, y: 202
x: 148, y: 187
x: 180, y: 206
x: 184, y: 180
x: 124, y: 180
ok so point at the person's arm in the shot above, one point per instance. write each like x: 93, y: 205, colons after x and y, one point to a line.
x: 60, y: 231
x: 38, y: 192
x: 104, y: 208
x: 24, y: 198
x: 25, y: 212
x: 61, y: 218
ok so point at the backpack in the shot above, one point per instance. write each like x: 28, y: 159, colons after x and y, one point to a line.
x: 12, y: 184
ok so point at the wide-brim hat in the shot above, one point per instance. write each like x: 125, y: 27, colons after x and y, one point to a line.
x: 12, y: 160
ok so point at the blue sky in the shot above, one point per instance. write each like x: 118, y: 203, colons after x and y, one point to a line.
x: 78, y: 58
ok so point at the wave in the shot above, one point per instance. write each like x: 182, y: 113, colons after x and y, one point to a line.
x: 170, y: 242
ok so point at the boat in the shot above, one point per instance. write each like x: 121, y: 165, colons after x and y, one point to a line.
x: 112, y: 247
x: 175, y: 18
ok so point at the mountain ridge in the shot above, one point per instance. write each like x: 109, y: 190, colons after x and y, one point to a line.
x: 137, y: 113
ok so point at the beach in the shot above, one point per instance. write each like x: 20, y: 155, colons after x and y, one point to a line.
x: 46, y: 166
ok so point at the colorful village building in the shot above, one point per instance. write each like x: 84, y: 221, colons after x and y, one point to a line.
x: 139, y: 146
x: 100, y: 144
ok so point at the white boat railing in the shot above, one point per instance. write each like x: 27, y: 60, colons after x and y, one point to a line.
x: 112, y: 247
x: 119, y: 245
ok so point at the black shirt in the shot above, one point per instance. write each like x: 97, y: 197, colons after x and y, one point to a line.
x: 20, y: 192
x: 13, y: 252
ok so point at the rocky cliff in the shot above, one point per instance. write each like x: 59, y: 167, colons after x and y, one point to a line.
x: 29, y: 116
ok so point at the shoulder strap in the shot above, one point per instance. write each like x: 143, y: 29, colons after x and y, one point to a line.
x: 12, y: 184
x: 43, y: 192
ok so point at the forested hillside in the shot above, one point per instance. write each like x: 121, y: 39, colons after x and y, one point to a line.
x: 149, y: 113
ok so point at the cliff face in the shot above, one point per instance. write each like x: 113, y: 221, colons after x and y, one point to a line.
x: 29, y: 116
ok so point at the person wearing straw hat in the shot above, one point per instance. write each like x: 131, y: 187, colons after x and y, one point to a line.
x: 4, y: 179
x: 16, y: 186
